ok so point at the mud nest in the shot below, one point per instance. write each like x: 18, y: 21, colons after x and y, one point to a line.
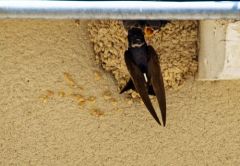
x: 176, y: 45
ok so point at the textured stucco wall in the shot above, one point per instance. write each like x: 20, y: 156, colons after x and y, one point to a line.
x: 202, y: 123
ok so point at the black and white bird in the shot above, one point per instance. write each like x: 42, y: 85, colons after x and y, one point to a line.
x: 144, y: 68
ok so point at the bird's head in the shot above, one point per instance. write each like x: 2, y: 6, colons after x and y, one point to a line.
x: 136, y: 38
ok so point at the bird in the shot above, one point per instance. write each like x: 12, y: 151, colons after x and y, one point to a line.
x: 144, y: 68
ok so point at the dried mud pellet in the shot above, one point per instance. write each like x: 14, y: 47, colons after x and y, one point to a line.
x: 119, y: 110
x: 130, y: 102
x: 107, y: 97
x: 96, y: 112
x: 69, y: 80
x: 97, y: 76
x: 113, y: 101
x: 45, y: 97
x: 78, y: 97
x: 81, y: 103
x: 50, y: 93
x: 135, y: 95
x: 61, y: 94
x: 107, y: 93
x: 91, y: 99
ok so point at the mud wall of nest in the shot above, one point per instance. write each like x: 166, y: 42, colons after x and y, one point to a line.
x: 176, y: 45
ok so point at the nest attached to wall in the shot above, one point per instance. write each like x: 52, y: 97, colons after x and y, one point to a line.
x: 176, y: 45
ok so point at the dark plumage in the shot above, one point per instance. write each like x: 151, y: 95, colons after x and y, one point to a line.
x: 143, y: 66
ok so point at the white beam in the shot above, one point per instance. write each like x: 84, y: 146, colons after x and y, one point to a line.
x: 120, y: 9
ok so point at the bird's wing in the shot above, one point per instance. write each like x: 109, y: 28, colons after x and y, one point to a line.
x: 129, y: 85
x: 156, y: 79
x: 139, y: 83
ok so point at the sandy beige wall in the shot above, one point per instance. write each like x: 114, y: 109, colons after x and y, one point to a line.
x: 43, y: 123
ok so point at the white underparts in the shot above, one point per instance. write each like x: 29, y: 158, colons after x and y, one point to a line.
x: 145, y: 76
